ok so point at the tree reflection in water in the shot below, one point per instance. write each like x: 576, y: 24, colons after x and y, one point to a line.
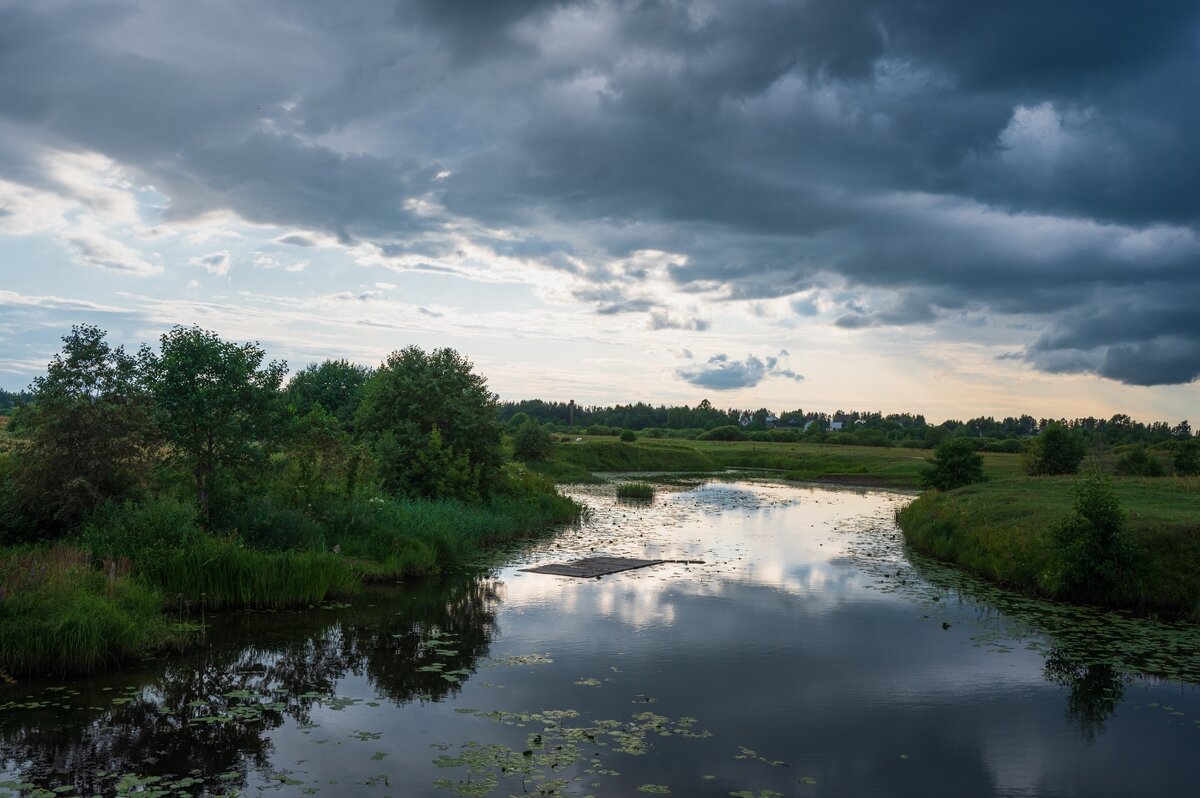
x: 257, y: 670
x: 1096, y: 689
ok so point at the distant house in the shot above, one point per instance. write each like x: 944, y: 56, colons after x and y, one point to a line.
x: 834, y: 426
x: 860, y: 421
x: 772, y: 421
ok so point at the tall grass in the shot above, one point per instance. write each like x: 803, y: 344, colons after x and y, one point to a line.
x: 635, y: 490
x: 60, y: 614
x: 220, y: 573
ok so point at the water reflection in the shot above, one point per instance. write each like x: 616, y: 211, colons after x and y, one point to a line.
x: 209, y: 716
x: 808, y: 636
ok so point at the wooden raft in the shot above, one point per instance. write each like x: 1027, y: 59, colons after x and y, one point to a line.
x: 590, y: 567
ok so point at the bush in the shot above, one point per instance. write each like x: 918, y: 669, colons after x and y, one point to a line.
x: 1056, y: 450
x: 955, y: 463
x: 726, y: 433
x: 265, y: 526
x: 532, y: 442
x: 1186, y: 457
x: 141, y: 530
x: 1095, y: 554
x: 1139, y: 462
x: 628, y: 436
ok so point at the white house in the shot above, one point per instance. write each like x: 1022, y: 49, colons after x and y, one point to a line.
x: 834, y: 426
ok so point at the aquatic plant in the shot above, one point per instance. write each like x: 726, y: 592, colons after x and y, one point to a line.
x: 635, y: 490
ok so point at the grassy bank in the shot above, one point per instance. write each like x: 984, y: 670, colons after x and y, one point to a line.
x: 61, y: 613
x: 872, y: 465
x: 1004, y: 531
x: 118, y: 588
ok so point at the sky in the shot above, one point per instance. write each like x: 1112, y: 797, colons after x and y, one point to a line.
x: 941, y: 207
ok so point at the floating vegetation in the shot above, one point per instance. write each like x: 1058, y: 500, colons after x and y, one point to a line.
x: 523, y: 659
x: 554, y: 750
x: 749, y: 754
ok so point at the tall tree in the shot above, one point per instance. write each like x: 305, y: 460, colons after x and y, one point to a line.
x: 216, y: 402
x: 335, y: 385
x: 89, y: 429
x: 430, y: 412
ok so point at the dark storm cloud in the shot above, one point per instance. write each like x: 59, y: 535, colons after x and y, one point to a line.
x: 720, y: 373
x: 1020, y: 159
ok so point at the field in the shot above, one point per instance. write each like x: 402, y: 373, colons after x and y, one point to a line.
x: 576, y: 460
x: 1003, y: 530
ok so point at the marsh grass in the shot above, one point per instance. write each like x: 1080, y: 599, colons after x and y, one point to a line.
x: 59, y: 613
x: 635, y: 490
x: 1004, y: 531
x: 221, y: 574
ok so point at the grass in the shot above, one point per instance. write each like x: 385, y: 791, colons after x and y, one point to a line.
x: 871, y: 465
x: 1002, y: 530
x: 59, y: 613
x: 635, y: 490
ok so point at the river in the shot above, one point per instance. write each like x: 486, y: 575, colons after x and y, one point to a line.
x: 809, y: 655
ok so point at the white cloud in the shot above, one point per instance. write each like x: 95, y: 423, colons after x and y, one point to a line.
x: 215, y: 263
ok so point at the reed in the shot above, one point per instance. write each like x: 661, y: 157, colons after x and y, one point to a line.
x: 60, y: 614
x: 635, y: 490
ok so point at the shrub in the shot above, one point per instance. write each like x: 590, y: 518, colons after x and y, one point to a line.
x: 635, y: 490
x: 1186, y: 457
x: 955, y: 463
x: 141, y: 530
x: 1094, y: 551
x: 628, y: 436
x: 532, y: 442
x: 725, y: 433
x: 265, y: 526
x: 1056, y: 450
x: 1139, y: 462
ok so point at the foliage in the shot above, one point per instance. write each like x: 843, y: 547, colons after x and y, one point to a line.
x: 725, y: 433
x: 628, y: 436
x: 1095, y: 553
x: 215, y: 404
x: 141, y: 530
x: 1185, y: 457
x: 1139, y: 462
x: 321, y: 457
x: 532, y: 442
x: 955, y: 463
x: 436, y: 423
x: 262, y: 524
x: 89, y: 431
x: 635, y: 490
x: 335, y: 385
x: 1056, y: 450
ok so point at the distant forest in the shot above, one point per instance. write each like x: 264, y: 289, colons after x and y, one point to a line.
x: 857, y: 427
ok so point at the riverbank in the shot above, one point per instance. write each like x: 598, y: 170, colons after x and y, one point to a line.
x: 138, y: 579
x: 577, y: 459
x: 1003, y: 531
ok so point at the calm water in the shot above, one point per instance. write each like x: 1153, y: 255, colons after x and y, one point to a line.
x: 808, y: 656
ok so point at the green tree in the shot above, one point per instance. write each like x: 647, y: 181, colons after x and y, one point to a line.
x: 1094, y: 552
x: 216, y: 403
x: 955, y: 463
x: 1056, y: 450
x: 89, y: 428
x: 628, y: 436
x: 336, y: 385
x: 409, y: 396
x: 532, y: 442
x: 1185, y: 457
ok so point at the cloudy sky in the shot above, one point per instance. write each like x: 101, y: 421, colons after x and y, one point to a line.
x: 942, y: 207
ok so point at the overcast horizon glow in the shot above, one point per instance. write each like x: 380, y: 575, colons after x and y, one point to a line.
x: 939, y: 208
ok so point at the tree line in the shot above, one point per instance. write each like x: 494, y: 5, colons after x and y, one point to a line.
x: 214, y: 418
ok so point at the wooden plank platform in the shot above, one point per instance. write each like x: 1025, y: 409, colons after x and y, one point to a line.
x: 590, y: 567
